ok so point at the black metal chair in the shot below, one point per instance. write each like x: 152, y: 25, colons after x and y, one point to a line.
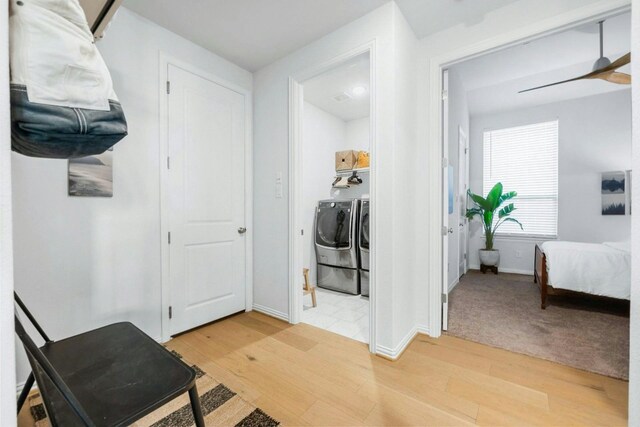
x: 111, y: 376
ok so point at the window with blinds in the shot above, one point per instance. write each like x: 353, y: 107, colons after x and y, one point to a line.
x: 525, y: 160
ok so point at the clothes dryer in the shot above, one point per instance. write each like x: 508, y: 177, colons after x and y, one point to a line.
x: 336, y: 245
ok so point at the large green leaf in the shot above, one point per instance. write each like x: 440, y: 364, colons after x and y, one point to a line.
x: 488, y: 218
x: 471, y: 212
x: 479, y: 200
x: 507, y: 196
x: 506, y: 211
x: 493, y: 198
x: 512, y: 220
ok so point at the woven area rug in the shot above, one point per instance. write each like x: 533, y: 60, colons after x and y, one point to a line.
x: 504, y: 311
x: 220, y: 407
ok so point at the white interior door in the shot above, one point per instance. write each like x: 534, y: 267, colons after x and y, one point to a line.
x: 463, y: 186
x: 446, y: 230
x: 206, y: 185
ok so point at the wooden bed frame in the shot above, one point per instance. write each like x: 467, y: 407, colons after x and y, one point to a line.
x: 541, y: 277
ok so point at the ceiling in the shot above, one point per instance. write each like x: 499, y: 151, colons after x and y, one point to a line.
x: 492, y: 81
x: 252, y: 33
x: 322, y: 90
x: 427, y: 17
x: 255, y: 33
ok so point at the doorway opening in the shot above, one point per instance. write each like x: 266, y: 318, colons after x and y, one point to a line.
x: 528, y: 140
x: 331, y: 286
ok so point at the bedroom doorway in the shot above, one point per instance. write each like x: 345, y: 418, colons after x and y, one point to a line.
x: 541, y: 142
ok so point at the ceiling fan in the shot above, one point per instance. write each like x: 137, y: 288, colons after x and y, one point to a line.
x: 603, y: 68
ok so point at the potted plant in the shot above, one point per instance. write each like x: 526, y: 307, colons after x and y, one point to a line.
x: 486, y: 209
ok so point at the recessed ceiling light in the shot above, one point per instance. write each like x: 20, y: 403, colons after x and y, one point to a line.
x: 358, y: 90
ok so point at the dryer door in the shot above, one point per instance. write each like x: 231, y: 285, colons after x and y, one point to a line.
x: 335, y: 234
x: 364, y: 236
x: 333, y: 225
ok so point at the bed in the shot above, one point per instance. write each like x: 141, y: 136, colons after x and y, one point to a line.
x: 601, y: 269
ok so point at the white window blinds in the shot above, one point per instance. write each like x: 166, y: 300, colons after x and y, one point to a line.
x: 525, y: 159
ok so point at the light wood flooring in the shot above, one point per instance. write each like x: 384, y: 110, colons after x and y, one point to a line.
x: 302, y: 375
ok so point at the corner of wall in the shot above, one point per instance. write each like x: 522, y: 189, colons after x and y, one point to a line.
x: 634, y: 368
x: 7, y: 337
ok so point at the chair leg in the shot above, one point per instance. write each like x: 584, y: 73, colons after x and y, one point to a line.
x: 195, y: 406
x: 313, y: 297
x: 25, y: 391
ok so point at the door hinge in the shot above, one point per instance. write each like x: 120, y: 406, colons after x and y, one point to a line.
x: 444, y: 298
x: 302, y: 232
x: 445, y: 231
x: 445, y: 95
x: 169, y: 237
x: 168, y: 87
x: 170, y: 312
x: 168, y: 163
x: 445, y: 162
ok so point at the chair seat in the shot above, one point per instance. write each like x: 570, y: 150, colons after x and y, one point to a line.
x: 118, y: 383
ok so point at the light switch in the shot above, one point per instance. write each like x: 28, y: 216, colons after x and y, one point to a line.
x: 279, y: 185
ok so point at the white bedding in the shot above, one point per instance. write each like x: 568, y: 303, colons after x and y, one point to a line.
x: 594, y: 268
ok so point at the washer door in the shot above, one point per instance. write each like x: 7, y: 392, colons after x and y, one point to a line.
x: 333, y: 225
x: 363, y: 236
x: 364, y: 226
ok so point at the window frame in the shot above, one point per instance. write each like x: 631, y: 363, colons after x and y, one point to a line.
x: 528, y: 236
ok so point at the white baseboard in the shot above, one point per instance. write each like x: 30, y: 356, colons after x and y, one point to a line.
x: 453, y: 285
x: 394, y: 353
x: 271, y: 312
x: 423, y: 329
x: 506, y: 270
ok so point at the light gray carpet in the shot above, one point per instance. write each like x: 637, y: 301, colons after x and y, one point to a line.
x: 504, y: 311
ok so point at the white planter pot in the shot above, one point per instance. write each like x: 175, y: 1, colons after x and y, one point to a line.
x: 490, y: 258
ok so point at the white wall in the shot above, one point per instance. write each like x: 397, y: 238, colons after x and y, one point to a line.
x: 519, y: 19
x: 271, y: 154
x: 634, y: 358
x: 7, y: 351
x: 323, y: 135
x: 85, y: 262
x: 408, y: 273
x: 358, y: 134
x: 594, y: 137
x: 458, y: 118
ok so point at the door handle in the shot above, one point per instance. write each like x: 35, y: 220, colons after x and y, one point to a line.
x: 451, y: 230
x: 242, y: 230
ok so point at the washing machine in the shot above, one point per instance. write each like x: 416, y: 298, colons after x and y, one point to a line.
x: 336, y: 245
x: 363, y: 247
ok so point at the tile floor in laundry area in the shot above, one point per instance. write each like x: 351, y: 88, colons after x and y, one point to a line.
x: 346, y: 315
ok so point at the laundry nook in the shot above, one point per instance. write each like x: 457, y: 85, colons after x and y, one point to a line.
x: 335, y: 176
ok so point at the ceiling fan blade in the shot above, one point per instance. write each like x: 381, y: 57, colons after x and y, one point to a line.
x: 623, y: 60
x: 614, y: 77
x: 556, y: 83
x: 607, y: 73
